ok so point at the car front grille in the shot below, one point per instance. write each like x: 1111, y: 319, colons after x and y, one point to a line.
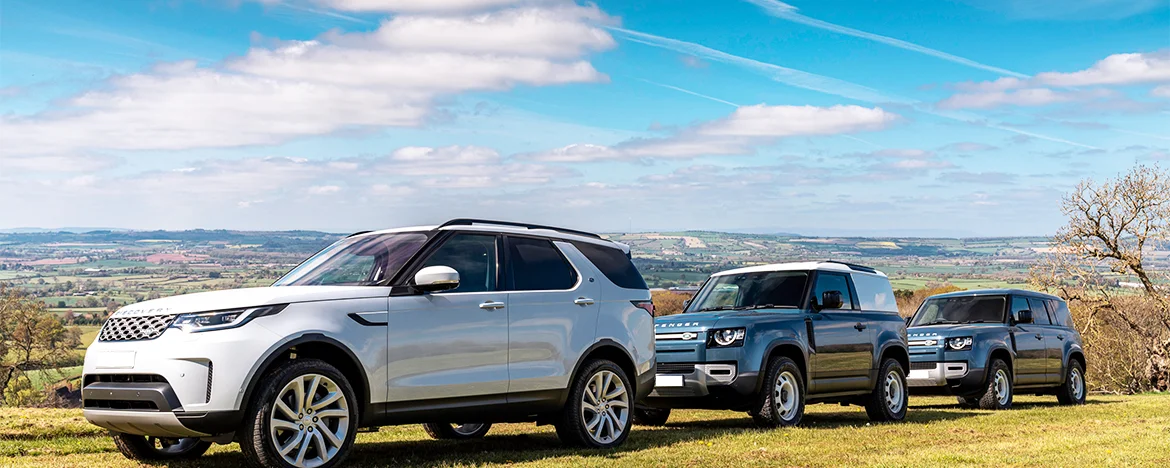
x: 922, y: 365
x: 675, y: 368
x: 135, y: 328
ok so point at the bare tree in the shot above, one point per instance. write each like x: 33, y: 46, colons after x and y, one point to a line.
x: 1112, y: 228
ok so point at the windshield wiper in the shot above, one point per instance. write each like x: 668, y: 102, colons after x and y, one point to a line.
x: 942, y: 322
x: 708, y: 309
x: 766, y: 306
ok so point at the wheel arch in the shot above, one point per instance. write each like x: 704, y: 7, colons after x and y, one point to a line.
x: 610, y: 350
x: 896, y: 351
x: 791, y: 349
x: 314, y: 345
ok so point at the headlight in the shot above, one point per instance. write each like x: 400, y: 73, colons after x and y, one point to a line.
x: 726, y: 337
x: 222, y: 319
x: 959, y: 344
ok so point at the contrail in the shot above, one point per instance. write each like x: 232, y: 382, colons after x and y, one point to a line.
x: 870, y: 143
x: 1160, y: 137
x: 819, y: 83
x: 692, y: 93
x: 788, y: 12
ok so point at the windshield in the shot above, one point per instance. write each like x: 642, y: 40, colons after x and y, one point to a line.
x: 357, y: 261
x: 962, y: 309
x: 765, y: 289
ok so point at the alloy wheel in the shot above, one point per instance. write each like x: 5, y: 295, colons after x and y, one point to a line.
x: 605, y: 407
x: 309, y: 421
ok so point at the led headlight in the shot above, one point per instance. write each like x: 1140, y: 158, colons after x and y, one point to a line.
x: 222, y: 319
x: 959, y: 344
x: 726, y: 337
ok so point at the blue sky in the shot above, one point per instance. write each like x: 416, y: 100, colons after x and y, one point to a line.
x: 955, y: 118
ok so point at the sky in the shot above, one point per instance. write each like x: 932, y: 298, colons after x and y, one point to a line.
x: 842, y: 117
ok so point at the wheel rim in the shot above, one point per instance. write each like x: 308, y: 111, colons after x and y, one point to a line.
x: 309, y: 421
x: 467, y: 429
x: 172, y: 446
x: 786, y: 394
x: 1078, y: 383
x: 605, y: 407
x: 1003, y: 387
x: 895, y: 394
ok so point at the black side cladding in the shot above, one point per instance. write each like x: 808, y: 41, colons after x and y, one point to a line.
x: 614, y: 264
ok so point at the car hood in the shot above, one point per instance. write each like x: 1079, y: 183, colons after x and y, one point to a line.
x: 248, y: 297
x: 699, y: 321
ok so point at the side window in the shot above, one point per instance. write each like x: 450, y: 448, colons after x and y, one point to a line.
x: 473, y: 256
x: 537, y: 265
x: 1060, y: 312
x: 614, y: 264
x: 1039, y: 312
x: 1019, y: 303
x: 833, y: 282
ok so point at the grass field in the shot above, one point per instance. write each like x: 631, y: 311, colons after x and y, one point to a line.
x: 1109, y: 431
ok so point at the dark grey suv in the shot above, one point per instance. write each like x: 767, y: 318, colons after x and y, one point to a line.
x: 984, y: 346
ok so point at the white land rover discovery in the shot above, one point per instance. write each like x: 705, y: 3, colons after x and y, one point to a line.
x: 455, y: 327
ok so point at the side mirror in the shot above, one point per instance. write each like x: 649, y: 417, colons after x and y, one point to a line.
x: 436, y: 278
x: 832, y: 300
x: 1024, y: 316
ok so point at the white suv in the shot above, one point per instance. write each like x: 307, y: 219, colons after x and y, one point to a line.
x: 481, y: 321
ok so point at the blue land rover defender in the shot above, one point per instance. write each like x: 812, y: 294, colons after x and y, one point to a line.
x: 984, y: 346
x: 769, y: 339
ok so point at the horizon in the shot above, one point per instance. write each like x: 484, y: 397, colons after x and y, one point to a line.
x: 964, y: 119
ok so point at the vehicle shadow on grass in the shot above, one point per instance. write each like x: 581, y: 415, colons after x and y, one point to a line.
x: 1017, y: 405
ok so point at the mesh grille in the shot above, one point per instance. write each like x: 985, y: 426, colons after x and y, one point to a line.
x: 135, y: 328
x: 675, y: 368
x: 922, y: 365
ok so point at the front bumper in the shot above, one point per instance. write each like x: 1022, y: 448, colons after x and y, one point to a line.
x: 695, y: 383
x: 936, y: 376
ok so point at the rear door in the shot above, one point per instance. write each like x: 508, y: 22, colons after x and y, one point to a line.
x: 1031, y: 351
x: 843, y: 342
x: 552, y: 318
x: 1053, y: 337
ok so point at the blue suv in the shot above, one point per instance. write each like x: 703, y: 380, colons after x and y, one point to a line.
x: 984, y: 346
x: 769, y: 339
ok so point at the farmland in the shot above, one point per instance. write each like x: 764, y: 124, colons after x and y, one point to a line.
x: 1108, y: 431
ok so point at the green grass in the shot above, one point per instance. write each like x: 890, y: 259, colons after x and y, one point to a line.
x: 1109, y: 431
x: 41, y: 378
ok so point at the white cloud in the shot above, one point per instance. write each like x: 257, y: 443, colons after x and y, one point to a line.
x: 739, y: 133
x: 1161, y: 91
x: 465, y: 167
x: 417, y: 6
x: 389, y: 77
x: 1117, y: 69
x: 58, y: 163
x: 1024, y: 97
x: 323, y: 189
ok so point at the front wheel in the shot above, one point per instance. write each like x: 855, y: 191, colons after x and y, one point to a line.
x: 144, y: 448
x: 889, y: 399
x: 781, y: 402
x: 1072, y: 391
x: 998, y: 395
x: 597, y: 413
x: 449, y: 431
x: 303, y: 414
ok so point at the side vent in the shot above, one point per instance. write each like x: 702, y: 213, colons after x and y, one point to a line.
x: 210, y: 371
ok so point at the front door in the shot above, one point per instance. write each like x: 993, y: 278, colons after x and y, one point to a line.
x: 843, y: 343
x: 452, y: 344
x: 1031, y: 352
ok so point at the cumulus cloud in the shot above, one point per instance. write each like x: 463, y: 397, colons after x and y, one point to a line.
x: 747, y: 128
x: 1161, y: 91
x: 1115, y: 69
x: 392, y: 76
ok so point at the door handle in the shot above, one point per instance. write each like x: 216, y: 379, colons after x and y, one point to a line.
x: 492, y: 305
x: 860, y: 326
x: 1060, y: 337
x: 583, y: 301
x: 1039, y: 336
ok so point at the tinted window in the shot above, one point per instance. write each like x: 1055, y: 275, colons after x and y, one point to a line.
x: 1018, y: 304
x: 961, y: 309
x: 1060, y: 313
x: 833, y: 282
x: 1039, y: 312
x: 473, y: 256
x: 764, y: 289
x: 360, y: 260
x: 537, y: 265
x: 614, y: 264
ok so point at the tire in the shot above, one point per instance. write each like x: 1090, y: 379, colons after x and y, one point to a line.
x: 647, y: 416
x: 143, y: 448
x: 276, y: 417
x: 888, y: 401
x: 781, y: 401
x: 1073, y: 390
x: 969, y: 403
x: 999, y: 392
x: 598, y: 411
x: 451, y: 431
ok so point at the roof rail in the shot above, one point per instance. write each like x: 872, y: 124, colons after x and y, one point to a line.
x: 853, y: 266
x: 470, y: 221
x: 358, y: 234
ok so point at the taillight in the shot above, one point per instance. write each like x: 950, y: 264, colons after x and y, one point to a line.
x: 647, y: 306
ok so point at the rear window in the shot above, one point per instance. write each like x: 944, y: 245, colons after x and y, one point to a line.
x: 1061, y: 313
x: 537, y: 265
x: 875, y: 293
x: 614, y: 264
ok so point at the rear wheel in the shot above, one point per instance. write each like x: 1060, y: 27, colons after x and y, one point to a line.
x: 303, y: 415
x: 1072, y: 391
x: 597, y: 413
x: 452, y: 431
x: 647, y: 416
x: 136, y: 447
x: 998, y: 395
x: 889, y: 398
x: 781, y: 401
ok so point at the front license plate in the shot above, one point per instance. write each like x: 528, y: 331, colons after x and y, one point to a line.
x: 113, y: 360
x: 668, y: 381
